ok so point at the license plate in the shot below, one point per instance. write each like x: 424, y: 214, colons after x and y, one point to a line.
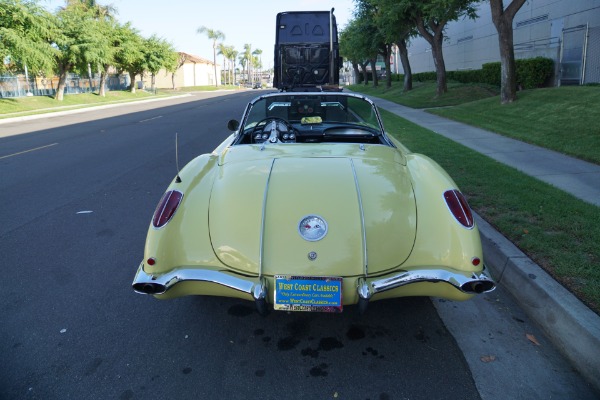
x: 308, y: 293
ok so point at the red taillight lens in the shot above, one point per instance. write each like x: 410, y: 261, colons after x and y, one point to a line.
x: 459, y: 207
x: 166, y: 208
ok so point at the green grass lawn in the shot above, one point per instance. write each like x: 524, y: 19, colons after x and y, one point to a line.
x: 558, y: 231
x: 565, y: 119
x: 20, y: 106
x: 10, y: 107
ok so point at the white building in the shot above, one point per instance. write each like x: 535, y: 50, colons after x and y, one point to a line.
x: 567, y: 31
x: 195, y: 71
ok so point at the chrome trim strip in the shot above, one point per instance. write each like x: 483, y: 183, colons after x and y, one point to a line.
x: 362, y: 219
x: 262, y: 223
x: 369, y: 287
x: 257, y: 287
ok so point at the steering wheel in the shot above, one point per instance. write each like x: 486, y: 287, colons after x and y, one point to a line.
x: 280, y: 131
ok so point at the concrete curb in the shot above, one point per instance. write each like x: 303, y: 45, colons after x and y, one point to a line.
x: 571, y: 326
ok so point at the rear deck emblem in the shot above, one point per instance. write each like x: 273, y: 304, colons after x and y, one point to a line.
x: 312, y: 228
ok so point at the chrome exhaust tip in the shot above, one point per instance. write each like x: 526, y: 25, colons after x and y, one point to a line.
x: 478, y: 286
x: 149, y: 288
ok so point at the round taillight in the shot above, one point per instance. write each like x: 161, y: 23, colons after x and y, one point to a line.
x: 166, y: 208
x: 458, y: 206
x: 151, y: 261
x: 476, y: 261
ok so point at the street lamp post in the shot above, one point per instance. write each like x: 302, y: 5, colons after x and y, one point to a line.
x: 90, y: 77
x: 28, y: 93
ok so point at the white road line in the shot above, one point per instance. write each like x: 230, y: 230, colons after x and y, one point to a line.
x: 150, y: 119
x: 27, y: 151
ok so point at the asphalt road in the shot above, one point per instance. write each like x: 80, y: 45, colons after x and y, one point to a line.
x: 77, y: 194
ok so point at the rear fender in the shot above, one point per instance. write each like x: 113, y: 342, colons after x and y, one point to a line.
x: 185, y: 241
x: 436, y: 224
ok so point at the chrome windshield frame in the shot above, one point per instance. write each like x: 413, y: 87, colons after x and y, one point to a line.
x: 285, y: 99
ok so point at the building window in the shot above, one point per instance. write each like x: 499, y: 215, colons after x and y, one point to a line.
x: 533, y: 20
x: 464, y: 39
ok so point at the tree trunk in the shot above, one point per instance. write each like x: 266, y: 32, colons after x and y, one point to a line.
x: 132, y: 75
x: 374, y: 72
x: 403, y: 49
x: 365, y: 74
x: 62, y: 82
x: 436, y: 40
x: 153, y: 80
x: 440, y: 65
x: 388, y: 66
x: 356, y: 71
x: 503, y: 20
x: 103, y: 76
x: 508, y: 81
x: 215, y: 61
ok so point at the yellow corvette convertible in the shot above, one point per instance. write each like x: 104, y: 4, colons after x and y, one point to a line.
x: 310, y: 206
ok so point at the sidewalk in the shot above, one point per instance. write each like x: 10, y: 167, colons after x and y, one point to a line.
x: 572, y: 327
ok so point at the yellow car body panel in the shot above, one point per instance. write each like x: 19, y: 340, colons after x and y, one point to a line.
x: 332, y: 184
x: 177, y: 243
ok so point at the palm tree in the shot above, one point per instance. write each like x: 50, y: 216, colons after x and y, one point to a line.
x: 247, y: 55
x: 233, y: 55
x: 256, y: 66
x: 258, y: 52
x: 214, y: 35
x: 242, y: 60
x: 223, y: 52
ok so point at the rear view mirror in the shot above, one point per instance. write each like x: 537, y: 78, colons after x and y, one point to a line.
x: 233, y: 125
x: 311, y: 120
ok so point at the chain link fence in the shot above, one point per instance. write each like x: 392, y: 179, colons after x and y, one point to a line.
x: 572, y: 55
x: 20, y: 86
x: 592, y: 57
x: 580, y: 55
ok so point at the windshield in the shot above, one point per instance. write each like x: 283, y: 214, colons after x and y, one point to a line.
x: 291, y: 118
x: 315, y: 109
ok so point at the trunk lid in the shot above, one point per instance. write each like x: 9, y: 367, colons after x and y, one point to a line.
x: 366, y: 200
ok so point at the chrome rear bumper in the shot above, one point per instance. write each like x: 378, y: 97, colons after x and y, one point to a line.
x: 475, y: 284
x: 145, y: 283
x: 257, y: 287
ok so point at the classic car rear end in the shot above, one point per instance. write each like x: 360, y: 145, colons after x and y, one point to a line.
x: 339, y: 215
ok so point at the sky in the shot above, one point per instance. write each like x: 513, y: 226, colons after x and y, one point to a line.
x: 241, y: 21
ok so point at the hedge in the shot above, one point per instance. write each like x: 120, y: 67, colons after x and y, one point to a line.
x: 531, y: 73
x: 534, y: 72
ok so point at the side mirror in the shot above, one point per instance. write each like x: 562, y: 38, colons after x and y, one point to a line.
x: 233, y: 125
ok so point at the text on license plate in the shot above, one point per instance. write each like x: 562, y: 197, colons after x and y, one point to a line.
x: 308, y: 293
